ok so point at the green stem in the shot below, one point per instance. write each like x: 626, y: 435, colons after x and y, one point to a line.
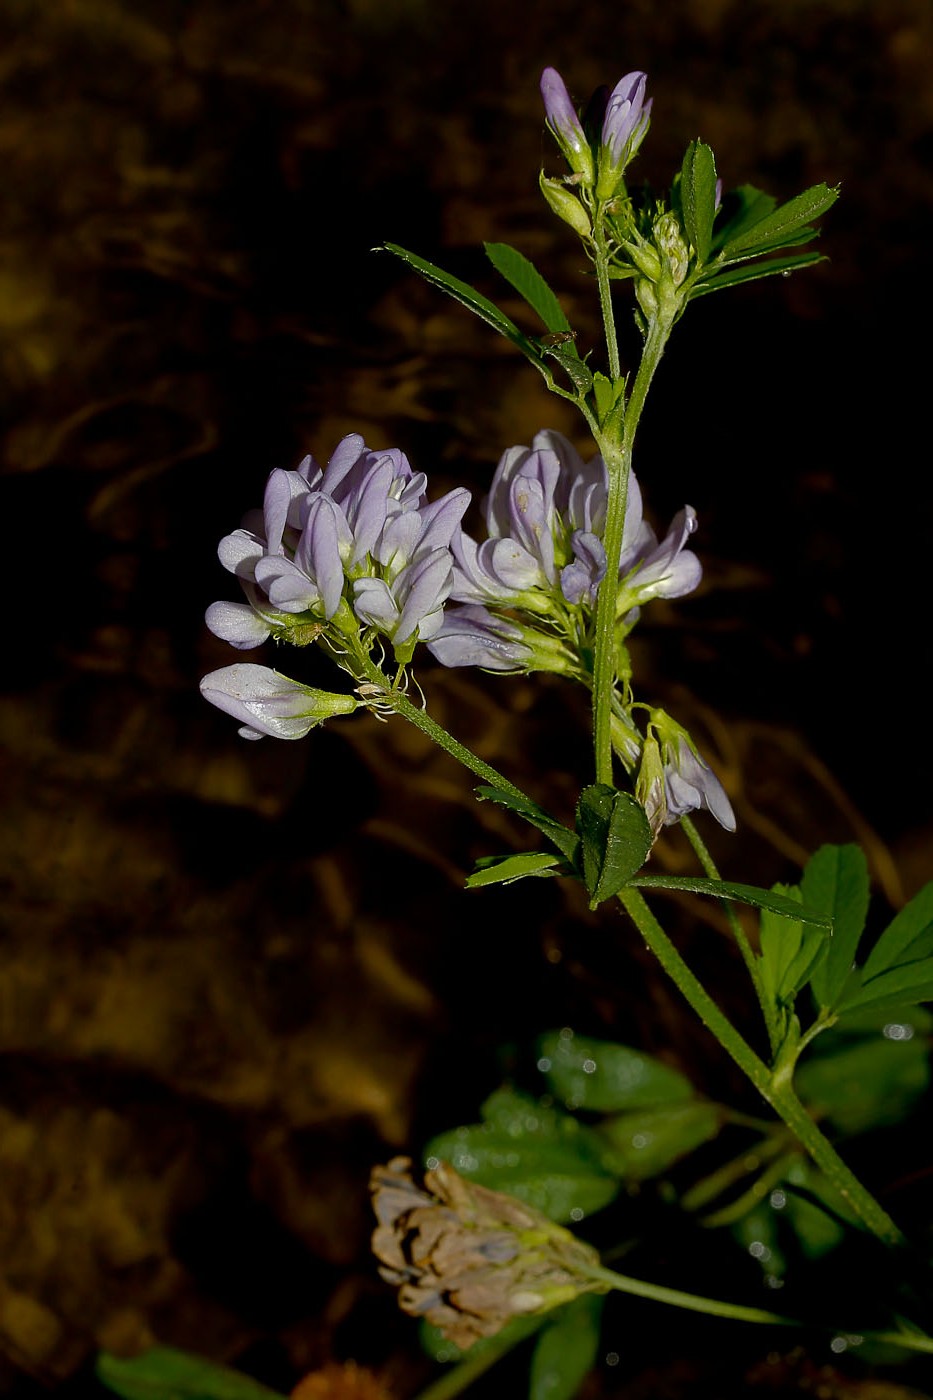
x: 693, y: 1302
x: 715, y: 1307
x: 709, y: 1188
x: 423, y: 721
x: 775, y: 1088
x: 603, y: 282
x: 748, y: 956
x: 617, y: 456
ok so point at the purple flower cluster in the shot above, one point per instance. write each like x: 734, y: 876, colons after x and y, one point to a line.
x: 353, y: 543
x: 544, y: 557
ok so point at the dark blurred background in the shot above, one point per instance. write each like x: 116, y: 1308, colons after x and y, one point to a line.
x: 234, y: 976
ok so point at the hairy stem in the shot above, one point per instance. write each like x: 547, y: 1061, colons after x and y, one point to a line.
x: 617, y: 454
x: 775, y: 1088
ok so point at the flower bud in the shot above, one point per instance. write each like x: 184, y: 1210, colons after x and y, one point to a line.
x: 673, y: 246
x: 647, y: 298
x: 624, y: 126
x: 269, y: 703
x: 565, y: 205
x: 565, y: 124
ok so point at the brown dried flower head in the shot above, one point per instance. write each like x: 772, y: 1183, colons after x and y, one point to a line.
x: 469, y: 1259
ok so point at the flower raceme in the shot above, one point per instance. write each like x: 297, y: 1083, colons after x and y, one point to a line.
x: 544, y: 559
x: 355, y: 553
x: 355, y: 543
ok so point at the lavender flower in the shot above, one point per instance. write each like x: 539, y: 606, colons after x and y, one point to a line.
x: 564, y: 122
x: 269, y: 703
x: 330, y: 549
x: 474, y: 636
x: 674, y: 780
x: 626, y: 120
x: 545, y: 515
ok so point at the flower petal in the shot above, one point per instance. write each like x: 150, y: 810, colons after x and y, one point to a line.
x: 237, y: 624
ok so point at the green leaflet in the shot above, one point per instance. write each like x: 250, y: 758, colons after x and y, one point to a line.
x: 566, y: 1350
x: 615, y: 837
x: 528, y: 282
x: 474, y: 301
x: 558, y: 834
x: 606, y: 1077
x: 504, y: 870
x: 538, y: 1154
x: 754, y: 271
x: 741, y: 894
x: 835, y: 882
x: 753, y: 205
x: 646, y: 1142
x: 163, y: 1373
x: 865, y: 1082
x: 907, y: 939
x: 777, y: 227
x: 698, y: 197
x: 790, y: 950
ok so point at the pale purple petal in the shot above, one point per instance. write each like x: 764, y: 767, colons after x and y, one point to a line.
x: 531, y: 514
x: 237, y: 624
x: 560, y: 112
x: 344, y: 458
x: 319, y: 549
x: 365, y: 508
x: 638, y: 538
x: 670, y: 571
x: 423, y: 586
x: 284, y: 490
x: 471, y: 636
x: 498, y: 519
x: 240, y: 551
x: 269, y: 703
x: 399, y: 539
x: 374, y: 604
x: 624, y: 113
x: 581, y: 579
x: 287, y: 587
x: 440, y: 519
x: 691, y: 783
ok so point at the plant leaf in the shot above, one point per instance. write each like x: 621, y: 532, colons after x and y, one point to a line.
x: 504, y: 870
x: 566, y: 1350
x: 644, y: 1143
x: 573, y: 366
x: 522, y: 274
x: 698, y: 196
x: 783, y: 221
x: 864, y: 1083
x: 606, y: 1077
x: 741, y: 894
x: 835, y: 882
x: 560, y: 836
x: 754, y: 271
x: 899, y: 986
x: 790, y: 950
x: 753, y: 205
x: 163, y: 1373
x: 615, y: 836
x: 474, y: 301
x: 908, y: 938
x: 540, y: 1155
